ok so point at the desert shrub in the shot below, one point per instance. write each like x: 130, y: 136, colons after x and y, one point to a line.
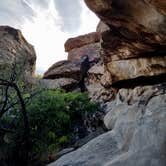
x: 53, y: 116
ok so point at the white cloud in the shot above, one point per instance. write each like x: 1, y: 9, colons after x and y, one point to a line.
x: 43, y: 22
x: 89, y: 20
x: 45, y: 34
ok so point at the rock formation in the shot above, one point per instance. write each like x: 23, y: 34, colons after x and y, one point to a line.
x: 75, y: 70
x: 136, y: 120
x: 83, y: 53
x: 129, y: 82
x: 123, y: 67
x: 135, y: 45
x: 15, y: 50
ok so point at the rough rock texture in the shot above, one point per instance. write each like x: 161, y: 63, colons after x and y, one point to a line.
x: 67, y: 84
x: 88, y: 44
x: 125, y: 60
x: 102, y: 27
x: 134, y: 68
x: 133, y: 56
x: 138, y: 135
x: 64, y: 69
x: 93, y: 84
x: 69, y: 74
x: 131, y: 14
x: 81, y: 41
x: 68, y: 69
x: 92, y: 50
x: 135, y: 45
x: 15, y: 49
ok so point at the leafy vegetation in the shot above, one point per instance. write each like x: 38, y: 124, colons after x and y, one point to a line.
x: 55, y: 118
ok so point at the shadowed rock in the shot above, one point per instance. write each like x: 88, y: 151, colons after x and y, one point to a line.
x: 136, y: 119
x: 134, y: 45
x: 81, y: 41
x: 14, y: 49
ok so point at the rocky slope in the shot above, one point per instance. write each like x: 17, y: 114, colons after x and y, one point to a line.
x: 136, y: 119
x: 15, y: 52
x: 129, y: 81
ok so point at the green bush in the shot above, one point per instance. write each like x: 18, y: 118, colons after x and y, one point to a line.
x: 53, y: 115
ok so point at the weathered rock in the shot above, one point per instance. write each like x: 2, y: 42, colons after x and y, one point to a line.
x: 138, y: 96
x: 84, y: 45
x: 68, y: 69
x: 15, y: 52
x: 90, y: 46
x: 102, y: 27
x: 134, y: 68
x: 137, y: 136
x: 80, y: 41
x: 128, y: 59
x: 64, y: 69
x: 69, y: 74
x: 68, y: 84
x: 115, y: 47
x: 135, y: 42
x: 133, y: 15
x: 64, y: 151
x: 93, y: 84
x: 92, y: 50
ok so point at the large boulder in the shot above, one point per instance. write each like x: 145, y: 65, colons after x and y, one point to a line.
x: 137, y: 137
x: 68, y: 69
x: 64, y: 69
x: 134, y: 68
x: 130, y: 59
x: 81, y: 41
x: 80, y: 46
x: 134, y: 15
x: 96, y: 91
x: 133, y: 38
x: 15, y: 52
x: 92, y: 50
x: 69, y: 74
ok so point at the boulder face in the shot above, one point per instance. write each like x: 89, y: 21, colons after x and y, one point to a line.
x: 88, y: 44
x: 131, y: 14
x: 81, y: 41
x: 92, y: 50
x: 64, y: 69
x: 68, y: 69
x: 134, y: 45
x: 69, y: 74
x: 136, y: 119
x: 16, y: 51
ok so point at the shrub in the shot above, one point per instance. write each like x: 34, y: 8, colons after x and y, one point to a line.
x: 53, y: 116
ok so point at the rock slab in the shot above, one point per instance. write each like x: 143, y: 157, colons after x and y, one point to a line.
x: 137, y: 136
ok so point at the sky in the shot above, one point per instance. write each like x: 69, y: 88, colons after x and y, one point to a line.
x: 47, y: 24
